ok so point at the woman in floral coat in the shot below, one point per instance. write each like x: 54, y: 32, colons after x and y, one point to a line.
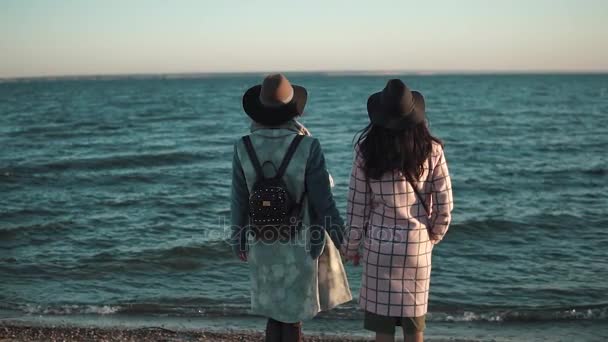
x: 399, y: 207
x: 292, y: 279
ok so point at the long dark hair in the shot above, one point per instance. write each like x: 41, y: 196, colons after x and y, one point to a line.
x: 384, y: 150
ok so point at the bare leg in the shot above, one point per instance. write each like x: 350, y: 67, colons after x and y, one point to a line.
x: 415, y: 337
x: 385, y: 337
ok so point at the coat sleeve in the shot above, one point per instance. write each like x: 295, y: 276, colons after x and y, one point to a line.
x: 358, y: 206
x: 239, y: 206
x: 321, y: 200
x: 441, y: 192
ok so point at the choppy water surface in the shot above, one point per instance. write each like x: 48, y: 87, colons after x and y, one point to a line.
x: 113, y: 193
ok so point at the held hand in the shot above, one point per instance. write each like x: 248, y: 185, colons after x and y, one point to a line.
x: 355, y: 259
x: 243, y: 256
x: 352, y: 256
x: 434, y: 238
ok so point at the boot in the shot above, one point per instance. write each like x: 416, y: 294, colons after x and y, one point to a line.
x: 292, y: 332
x: 273, y: 331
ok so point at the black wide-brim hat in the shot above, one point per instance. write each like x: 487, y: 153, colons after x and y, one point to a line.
x: 265, y: 103
x: 396, y: 107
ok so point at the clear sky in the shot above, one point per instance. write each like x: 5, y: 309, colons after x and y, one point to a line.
x: 70, y: 37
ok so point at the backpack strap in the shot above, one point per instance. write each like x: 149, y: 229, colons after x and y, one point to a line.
x: 288, y: 155
x: 253, y: 157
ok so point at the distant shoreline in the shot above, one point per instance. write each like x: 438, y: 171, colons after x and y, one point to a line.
x: 346, y: 73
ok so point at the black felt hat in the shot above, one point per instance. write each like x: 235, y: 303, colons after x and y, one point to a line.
x: 396, y: 106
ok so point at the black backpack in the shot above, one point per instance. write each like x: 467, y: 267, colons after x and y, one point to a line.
x: 273, y: 213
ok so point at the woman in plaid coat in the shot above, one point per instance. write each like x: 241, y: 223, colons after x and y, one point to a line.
x: 399, y: 207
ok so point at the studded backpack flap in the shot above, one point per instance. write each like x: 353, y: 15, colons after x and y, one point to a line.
x: 273, y: 213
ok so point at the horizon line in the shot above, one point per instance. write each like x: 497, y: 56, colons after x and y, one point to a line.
x: 202, y: 74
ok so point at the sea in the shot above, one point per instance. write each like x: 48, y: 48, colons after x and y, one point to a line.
x: 115, y: 191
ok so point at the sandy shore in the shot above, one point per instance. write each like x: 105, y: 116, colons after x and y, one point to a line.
x: 20, y: 333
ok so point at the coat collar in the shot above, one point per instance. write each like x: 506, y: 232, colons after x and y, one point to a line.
x: 288, y: 128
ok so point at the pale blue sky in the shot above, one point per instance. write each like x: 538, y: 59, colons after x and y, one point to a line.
x: 68, y: 37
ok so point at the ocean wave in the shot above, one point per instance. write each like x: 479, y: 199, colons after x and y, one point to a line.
x: 592, y: 313
x: 484, y: 225
x: 41, y: 229
x: 69, y: 309
x: 210, y: 256
x: 559, y: 174
x: 212, y: 308
x: 109, y: 162
x: 134, y: 309
x: 545, y: 221
x: 598, y: 171
x: 182, y: 258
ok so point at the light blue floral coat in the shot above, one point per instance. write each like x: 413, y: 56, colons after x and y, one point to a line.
x: 288, y: 282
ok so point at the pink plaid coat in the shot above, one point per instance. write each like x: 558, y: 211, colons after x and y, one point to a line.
x: 387, y: 217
